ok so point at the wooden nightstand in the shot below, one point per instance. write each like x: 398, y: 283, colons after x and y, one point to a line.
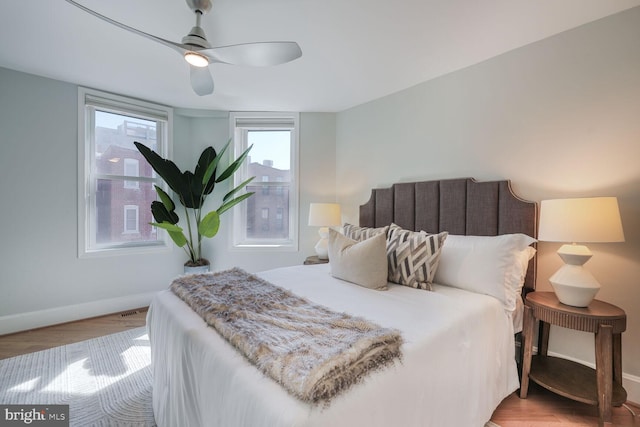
x: 602, y: 387
x: 315, y: 260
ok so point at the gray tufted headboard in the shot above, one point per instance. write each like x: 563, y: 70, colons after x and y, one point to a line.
x: 460, y: 206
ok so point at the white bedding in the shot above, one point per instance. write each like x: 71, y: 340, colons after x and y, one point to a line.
x: 458, y: 361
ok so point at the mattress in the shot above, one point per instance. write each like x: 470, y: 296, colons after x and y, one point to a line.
x: 458, y: 352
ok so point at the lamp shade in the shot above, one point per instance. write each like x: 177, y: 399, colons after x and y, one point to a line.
x: 324, y: 214
x: 584, y: 220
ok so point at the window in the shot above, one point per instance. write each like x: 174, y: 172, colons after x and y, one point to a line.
x: 131, y: 168
x: 279, y: 218
x: 130, y: 219
x: 273, y: 160
x: 116, y: 184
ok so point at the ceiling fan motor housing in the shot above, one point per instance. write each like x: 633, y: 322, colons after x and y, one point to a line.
x: 197, y: 38
x: 202, y: 6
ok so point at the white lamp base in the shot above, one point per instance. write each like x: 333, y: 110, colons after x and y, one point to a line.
x: 578, y: 293
x: 572, y: 283
x: 321, y: 247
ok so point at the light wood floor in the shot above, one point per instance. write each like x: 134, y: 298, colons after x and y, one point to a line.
x: 541, y: 409
x: 68, y: 333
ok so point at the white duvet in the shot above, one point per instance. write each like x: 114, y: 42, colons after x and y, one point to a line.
x: 458, y: 361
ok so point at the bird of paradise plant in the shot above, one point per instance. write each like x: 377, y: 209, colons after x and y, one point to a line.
x: 192, y: 189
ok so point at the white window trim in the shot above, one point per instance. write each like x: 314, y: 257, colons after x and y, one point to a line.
x: 264, y: 121
x: 86, y: 163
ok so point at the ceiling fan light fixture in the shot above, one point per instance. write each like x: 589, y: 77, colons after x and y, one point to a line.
x: 196, y: 59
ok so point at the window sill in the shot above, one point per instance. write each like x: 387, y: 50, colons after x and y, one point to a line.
x: 264, y: 247
x: 126, y: 251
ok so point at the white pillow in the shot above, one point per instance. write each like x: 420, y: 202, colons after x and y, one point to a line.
x: 363, y: 263
x: 491, y: 265
x: 515, y: 280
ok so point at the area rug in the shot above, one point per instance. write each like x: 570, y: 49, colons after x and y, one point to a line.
x: 105, y: 381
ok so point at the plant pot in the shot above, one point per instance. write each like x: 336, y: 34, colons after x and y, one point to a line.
x: 197, y: 269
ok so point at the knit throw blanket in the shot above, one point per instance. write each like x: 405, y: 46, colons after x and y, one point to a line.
x: 313, y: 352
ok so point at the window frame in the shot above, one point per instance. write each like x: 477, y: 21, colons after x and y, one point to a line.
x: 88, y: 101
x: 239, y: 125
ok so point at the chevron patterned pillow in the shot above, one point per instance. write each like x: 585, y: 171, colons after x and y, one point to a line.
x: 357, y: 233
x: 413, y: 256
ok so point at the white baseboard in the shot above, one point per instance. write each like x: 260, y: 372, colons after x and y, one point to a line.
x: 631, y: 383
x: 37, y: 319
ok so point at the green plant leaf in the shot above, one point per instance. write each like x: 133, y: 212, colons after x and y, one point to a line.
x: 234, y: 166
x: 178, y: 238
x: 163, y: 167
x: 210, y: 224
x: 209, y: 179
x: 192, y: 194
x: 199, y: 185
x: 174, y: 232
x: 233, y: 202
x: 166, y: 200
x: 161, y: 214
x: 167, y: 226
x: 238, y: 188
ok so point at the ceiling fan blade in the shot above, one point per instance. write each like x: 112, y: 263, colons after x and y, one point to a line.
x: 175, y: 46
x: 201, y: 80
x: 261, y: 54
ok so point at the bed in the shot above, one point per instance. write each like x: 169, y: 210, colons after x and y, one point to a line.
x: 458, y: 359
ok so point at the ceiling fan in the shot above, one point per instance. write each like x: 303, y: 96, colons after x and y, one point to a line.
x: 197, y: 51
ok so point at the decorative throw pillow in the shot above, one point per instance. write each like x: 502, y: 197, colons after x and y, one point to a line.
x: 363, y: 263
x: 359, y: 234
x: 413, y: 256
x: 490, y: 265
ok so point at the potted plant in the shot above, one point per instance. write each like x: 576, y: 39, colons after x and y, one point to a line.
x: 192, y: 189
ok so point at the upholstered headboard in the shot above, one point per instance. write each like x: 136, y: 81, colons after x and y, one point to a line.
x: 459, y: 206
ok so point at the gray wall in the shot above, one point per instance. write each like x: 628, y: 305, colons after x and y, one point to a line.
x: 560, y: 118
x: 42, y: 280
x: 39, y: 268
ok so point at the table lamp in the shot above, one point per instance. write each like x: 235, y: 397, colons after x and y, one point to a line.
x: 582, y: 220
x: 323, y: 215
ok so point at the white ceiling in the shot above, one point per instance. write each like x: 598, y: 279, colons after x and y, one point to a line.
x: 354, y: 51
